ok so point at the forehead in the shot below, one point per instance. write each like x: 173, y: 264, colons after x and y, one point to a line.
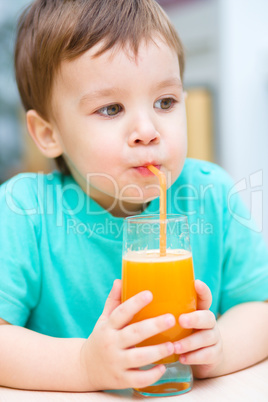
x: 154, y: 61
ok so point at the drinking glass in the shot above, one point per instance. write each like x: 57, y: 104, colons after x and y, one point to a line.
x: 170, y: 278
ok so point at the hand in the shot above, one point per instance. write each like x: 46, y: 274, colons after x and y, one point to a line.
x: 203, y: 349
x: 109, y: 355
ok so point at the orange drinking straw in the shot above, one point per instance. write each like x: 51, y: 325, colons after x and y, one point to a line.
x: 163, y: 207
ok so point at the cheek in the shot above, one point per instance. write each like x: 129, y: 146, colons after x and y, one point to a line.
x: 103, y: 182
x: 178, y: 146
x: 178, y: 131
x: 177, y: 154
x: 99, y: 157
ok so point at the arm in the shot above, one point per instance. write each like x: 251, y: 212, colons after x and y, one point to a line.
x: 108, y: 359
x: 237, y: 340
x: 244, y: 331
x: 29, y: 360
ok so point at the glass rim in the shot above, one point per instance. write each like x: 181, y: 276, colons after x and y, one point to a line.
x: 155, y: 218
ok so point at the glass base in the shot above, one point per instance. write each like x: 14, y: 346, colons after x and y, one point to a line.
x: 177, y: 379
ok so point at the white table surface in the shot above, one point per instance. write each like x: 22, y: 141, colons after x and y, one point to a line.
x: 249, y: 385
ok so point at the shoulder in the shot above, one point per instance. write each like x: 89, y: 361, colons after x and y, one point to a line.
x: 200, y: 176
x: 29, y: 182
x: 199, y: 172
x: 26, y: 190
x: 202, y: 189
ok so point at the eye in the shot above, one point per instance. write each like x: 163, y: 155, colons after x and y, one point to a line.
x: 111, y: 110
x: 165, y: 103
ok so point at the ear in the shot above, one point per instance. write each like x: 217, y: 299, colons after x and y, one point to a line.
x: 43, y: 134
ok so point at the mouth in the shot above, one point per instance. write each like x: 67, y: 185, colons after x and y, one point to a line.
x: 143, y: 171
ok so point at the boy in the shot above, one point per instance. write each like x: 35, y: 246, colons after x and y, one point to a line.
x: 101, y: 82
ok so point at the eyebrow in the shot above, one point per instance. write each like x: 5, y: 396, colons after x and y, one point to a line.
x: 171, y: 82
x: 100, y: 93
x: 105, y: 92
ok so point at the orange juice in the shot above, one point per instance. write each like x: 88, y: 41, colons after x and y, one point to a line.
x: 170, y: 279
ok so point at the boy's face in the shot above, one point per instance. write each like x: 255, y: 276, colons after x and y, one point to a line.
x: 115, y: 114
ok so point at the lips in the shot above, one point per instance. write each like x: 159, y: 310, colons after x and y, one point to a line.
x: 144, y: 171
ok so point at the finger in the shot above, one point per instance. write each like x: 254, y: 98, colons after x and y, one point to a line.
x: 204, y: 296
x: 143, y: 378
x: 142, y: 356
x: 204, y: 356
x: 113, y: 300
x: 200, y: 319
x: 124, y: 313
x: 196, y: 341
x: 135, y: 333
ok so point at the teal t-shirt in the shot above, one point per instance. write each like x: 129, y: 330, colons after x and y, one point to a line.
x: 60, y: 251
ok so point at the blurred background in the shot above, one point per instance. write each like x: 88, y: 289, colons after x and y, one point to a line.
x: 226, y: 77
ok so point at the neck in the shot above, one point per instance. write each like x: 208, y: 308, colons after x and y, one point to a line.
x: 117, y: 208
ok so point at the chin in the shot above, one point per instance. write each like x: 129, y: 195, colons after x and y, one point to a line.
x: 144, y: 197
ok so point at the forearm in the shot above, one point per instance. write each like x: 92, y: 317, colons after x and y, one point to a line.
x: 244, y: 332
x: 29, y: 360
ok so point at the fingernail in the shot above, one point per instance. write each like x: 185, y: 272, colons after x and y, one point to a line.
x: 170, y: 347
x: 182, y: 359
x: 162, y: 368
x: 178, y: 347
x: 170, y: 320
x: 147, y: 296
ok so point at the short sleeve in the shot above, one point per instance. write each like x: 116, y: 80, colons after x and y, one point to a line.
x: 19, y: 256
x: 245, y: 264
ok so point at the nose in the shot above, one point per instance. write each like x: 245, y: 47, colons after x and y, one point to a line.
x: 144, y: 132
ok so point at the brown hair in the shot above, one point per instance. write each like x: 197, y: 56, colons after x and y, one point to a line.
x: 50, y: 31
